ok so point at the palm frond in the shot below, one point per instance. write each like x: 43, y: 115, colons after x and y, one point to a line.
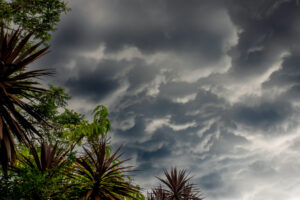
x: 50, y: 157
x: 101, y: 174
x: 157, y: 193
x: 178, y: 187
x: 16, y: 85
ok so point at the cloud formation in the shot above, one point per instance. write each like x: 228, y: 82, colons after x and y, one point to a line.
x: 211, y: 86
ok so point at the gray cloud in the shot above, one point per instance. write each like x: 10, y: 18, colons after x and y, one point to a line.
x: 266, y: 32
x: 95, y: 84
x: 211, y: 181
x: 212, y: 86
x: 288, y: 75
x: 265, y: 115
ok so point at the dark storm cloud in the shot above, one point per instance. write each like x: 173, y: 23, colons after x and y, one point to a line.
x: 177, y: 89
x: 155, y: 155
x: 158, y: 107
x: 149, y: 26
x: 211, y: 181
x: 263, y: 116
x: 166, y: 147
x: 75, y: 32
x: 288, y: 75
x: 267, y: 31
x: 183, y: 30
x: 140, y: 75
x: 293, y: 93
x: 94, y: 87
x: 165, y: 140
x: 161, y: 114
x: 98, y: 79
x: 134, y: 132
x: 95, y: 83
x: 226, y: 143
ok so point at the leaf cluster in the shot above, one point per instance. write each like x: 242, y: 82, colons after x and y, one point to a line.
x: 102, y: 173
x: 177, y: 187
x: 16, y: 89
x: 37, y: 16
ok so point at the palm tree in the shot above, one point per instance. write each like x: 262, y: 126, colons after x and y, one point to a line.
x: 49, y: 158
x: 178, y: 187
x: 47, y: 168
x: 16, y: 90
x: 100, y: 174
x: 157, y: 193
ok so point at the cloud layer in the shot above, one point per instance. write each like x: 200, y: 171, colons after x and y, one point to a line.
x: 211, y: 86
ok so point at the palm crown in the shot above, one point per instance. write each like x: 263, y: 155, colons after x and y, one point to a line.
x: 177, y: 185
x: 16, y: 90
x: 102, y: 174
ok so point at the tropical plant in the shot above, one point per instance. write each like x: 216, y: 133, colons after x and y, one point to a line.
x: 53, y: 107
x: 178, y: 187
x: 39, y: 17
x: 49, y: 159
x: 40, y: 174
x: 100, y: 173
x: 157, y: 193
x: 16, y: 89
x: 86, y: 130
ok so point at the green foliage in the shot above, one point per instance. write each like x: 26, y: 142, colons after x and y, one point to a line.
x: 39, y: 174
x: 46, y: 158
x: 90, y: 131
x: 50, y: 171
x: 69, y: 117
x: 37, y: 16
x: 50, y: 102
x: 52, y: 106
x: 136, y: 195
x: 101, y: 174
x: 31, y: 183
x: 67, y: 125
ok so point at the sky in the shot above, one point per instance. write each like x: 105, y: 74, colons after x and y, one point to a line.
x: 211, y: 86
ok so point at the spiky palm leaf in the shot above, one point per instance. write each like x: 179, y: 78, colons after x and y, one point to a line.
x: 101, y: 174
x: 46, y: 166
x: 178, y: 186
x: 16, y: 88
x: 157, y: 193
x: 50, y: 157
